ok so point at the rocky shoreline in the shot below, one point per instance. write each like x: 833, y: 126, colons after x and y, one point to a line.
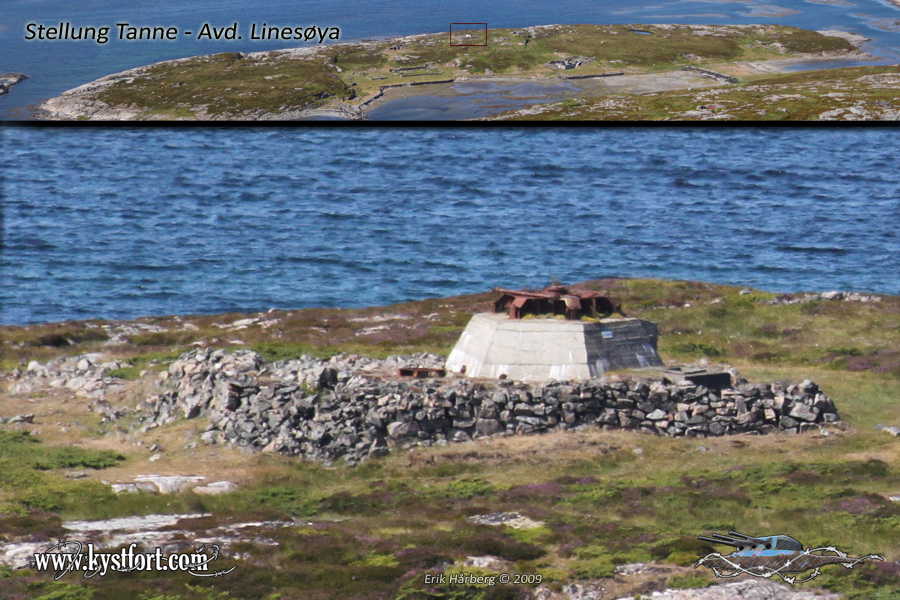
x: 8, y: 80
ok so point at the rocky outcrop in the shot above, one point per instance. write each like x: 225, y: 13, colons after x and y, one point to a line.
x: 86, y: 376
x: 169, y: 533
x: 832, y: 296
x: 173, y: 484
x: 889, y: 429
x: 352, y: 407
x: 749, y: 589
x: 571, y: 62
x: 7, y: 80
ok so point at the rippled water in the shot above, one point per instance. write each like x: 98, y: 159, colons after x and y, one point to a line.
x: 120, y: 223
x: 55, y: 66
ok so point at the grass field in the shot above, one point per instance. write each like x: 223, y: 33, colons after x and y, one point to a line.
x: 601, y: 498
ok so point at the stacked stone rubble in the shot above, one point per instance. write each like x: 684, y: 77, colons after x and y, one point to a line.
x: 87, y: 376
x: 352, y: 408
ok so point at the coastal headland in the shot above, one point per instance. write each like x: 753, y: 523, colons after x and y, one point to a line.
x: 154, y: 429
x: 602, y: 62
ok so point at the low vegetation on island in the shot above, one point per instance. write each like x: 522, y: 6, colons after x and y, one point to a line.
x: 845, y: 94
x: 576, y: 505
x: 345, y: 79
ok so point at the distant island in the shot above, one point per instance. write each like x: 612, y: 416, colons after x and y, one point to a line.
x: 621, y: 72
x: 8, y: 80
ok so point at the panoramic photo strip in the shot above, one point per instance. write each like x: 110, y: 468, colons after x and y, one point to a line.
x: 704, y: 60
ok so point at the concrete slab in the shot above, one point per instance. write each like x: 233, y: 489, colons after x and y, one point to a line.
x: 540, y: 349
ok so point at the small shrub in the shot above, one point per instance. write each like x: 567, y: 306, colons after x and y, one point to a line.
x: 533, y: 535
x: 681, y: 550
x: 275, y: 351
x: 379, y: 560
x: 844, y: 351
x: 688, y: 581
x: 62, y: 495
x: 8, y: 438
x: 681, y: 558
x: 768, y: 330
x: 132, y: 373
x: 67, y: 591
x: 284, y: 498
x: 718, y: 312
x: 347, y: 503
x: 496, y: 544
x: 594, y: 568
x: 753, y: 298
x: 766, y: 356
x: 31, y: 523
x: 162, y: 338
x: 67, y: 336
x: 71, y: 457
x: 468, y: 488
x: 699, y: 348
x: 870, y: 468
x: 53, y: 340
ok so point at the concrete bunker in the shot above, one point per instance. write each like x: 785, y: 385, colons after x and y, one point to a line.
x: 526, y: 339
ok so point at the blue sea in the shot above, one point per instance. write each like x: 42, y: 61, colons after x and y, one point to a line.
x: 119, y: 223
x: 55, y: 66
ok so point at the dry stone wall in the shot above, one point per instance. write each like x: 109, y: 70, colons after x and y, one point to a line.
x: 352, y: 408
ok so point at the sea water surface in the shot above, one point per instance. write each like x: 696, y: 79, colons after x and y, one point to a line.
x: 119, y: 223
x: 55, y: 66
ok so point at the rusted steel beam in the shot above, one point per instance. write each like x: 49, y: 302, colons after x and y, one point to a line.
x: 556, y: 300
x: 420, y: 372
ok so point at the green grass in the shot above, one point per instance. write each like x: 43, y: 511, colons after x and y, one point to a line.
x: 29, y: 479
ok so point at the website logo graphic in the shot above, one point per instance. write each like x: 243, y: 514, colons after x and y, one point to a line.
x: 772, y: 555
x: 71, y: 556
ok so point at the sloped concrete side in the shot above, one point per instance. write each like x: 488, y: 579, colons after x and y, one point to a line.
x: 621, y: 344
x: 541, y: 349
x: 470, y: 352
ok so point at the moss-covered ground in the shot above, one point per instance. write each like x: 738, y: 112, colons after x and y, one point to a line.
x: 604, y: 498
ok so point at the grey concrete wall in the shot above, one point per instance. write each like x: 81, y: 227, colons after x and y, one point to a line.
x: 543, y: 349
